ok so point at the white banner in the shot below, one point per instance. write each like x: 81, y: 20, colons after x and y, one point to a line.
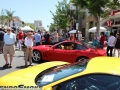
x: 72, y: 7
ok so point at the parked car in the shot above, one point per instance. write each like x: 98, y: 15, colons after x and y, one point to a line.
x: 68, y: 51
x: 100, y: 73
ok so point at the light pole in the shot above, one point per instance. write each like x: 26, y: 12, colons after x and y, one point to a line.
x: 77, y: 22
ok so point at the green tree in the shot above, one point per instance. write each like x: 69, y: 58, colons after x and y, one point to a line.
x: 10, y: 16
x: 52, y: 27
x: 98, y: 8
x: 2, y: 18
x: 61, y: 17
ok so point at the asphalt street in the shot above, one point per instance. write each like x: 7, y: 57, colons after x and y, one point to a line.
x: 18, y: 63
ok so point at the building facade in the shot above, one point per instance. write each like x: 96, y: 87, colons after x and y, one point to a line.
x: 38, y: 24
x: 87, y: 22
x: 115, y: 22
x: 15, y: 23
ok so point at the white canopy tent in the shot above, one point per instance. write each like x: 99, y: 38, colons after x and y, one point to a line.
x: 102, y: 29
x: 72, y: 31
x: 27, y: 28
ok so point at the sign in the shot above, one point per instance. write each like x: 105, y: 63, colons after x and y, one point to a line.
x: 112, y: 13
x: 48, y: 78
x: 72, y: 7
x: 109, y: 23
x: 77, y: 26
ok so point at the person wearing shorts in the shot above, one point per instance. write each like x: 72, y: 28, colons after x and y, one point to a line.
x: 9, y: 47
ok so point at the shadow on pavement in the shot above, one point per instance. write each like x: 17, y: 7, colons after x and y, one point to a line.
x: 1, y: 68
x: 18, y: 56
x: 21, y: 67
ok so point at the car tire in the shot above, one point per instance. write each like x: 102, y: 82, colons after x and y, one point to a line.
x: 36, y: 57
x: 81, y: 58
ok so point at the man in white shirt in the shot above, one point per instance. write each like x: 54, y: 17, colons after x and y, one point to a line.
x: 29, y: 45
x: 110, y: 44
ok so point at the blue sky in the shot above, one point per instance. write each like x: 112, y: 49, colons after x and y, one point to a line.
x: 30, y: 10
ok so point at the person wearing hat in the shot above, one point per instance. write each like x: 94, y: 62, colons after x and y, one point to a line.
x: 9, y: 47
x: 29, y: 44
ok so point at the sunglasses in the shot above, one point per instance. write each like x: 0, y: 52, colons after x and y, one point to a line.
x: 8, y: 30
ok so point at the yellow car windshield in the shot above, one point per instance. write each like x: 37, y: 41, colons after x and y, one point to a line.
x: 60, y: 72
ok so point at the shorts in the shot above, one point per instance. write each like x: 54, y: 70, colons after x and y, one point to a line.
x: 1, y: 44
x: 9, y: 49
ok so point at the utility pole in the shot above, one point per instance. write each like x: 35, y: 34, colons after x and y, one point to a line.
x: 77, y: 22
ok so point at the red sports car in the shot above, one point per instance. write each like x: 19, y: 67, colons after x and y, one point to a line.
x: 68, y: 51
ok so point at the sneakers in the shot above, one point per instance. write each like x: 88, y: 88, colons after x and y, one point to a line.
x: 6, y: 65
x: 10, y: 66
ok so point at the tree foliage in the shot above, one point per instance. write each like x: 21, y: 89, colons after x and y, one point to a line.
x: 7, y: 16
x: 2, y: 18
x: 98, y: 8
x: 61, y: 17
x: 52, y: 27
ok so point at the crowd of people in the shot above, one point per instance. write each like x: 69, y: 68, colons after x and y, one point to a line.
x: 112, y: 42
x: 10, y: 39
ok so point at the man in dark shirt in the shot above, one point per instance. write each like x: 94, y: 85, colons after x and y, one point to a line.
x: 1, y: 40
x: 46, y: 36
x: 102, y: 40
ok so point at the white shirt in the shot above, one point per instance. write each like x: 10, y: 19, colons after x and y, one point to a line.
x: 111, y: 41
x: 79, y: 36
x: 28, y: 42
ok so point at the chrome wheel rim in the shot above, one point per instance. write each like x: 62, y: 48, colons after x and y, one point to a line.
x: 36, y: 56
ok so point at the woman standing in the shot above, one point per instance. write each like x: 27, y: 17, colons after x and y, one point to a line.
x: 72, y: 37
x: 55, y: 40
x: 29, y: 45
x: 117, y: 44
x: 79, y: 36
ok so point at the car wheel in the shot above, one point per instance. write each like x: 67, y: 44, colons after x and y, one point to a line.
x: 37, y: 57
x: 81, y: 58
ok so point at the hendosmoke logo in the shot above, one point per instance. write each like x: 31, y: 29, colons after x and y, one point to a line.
x: 19, y: 87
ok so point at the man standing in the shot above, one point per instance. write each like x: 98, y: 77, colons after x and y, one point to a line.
x: 47, y: 37
x: 20, y: 38
x: 9, y: 47
x: 1, y: 40
x: 102, y: 40
x: 110, y: 44
x: 37, y: 38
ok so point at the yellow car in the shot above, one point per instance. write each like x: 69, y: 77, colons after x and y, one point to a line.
x: 100, y: 73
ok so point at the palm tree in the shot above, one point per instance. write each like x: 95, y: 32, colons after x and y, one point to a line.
x: 2, y: 18
x: 10, y: 17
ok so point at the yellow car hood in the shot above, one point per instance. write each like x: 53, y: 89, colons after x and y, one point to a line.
x: 27, y: 76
